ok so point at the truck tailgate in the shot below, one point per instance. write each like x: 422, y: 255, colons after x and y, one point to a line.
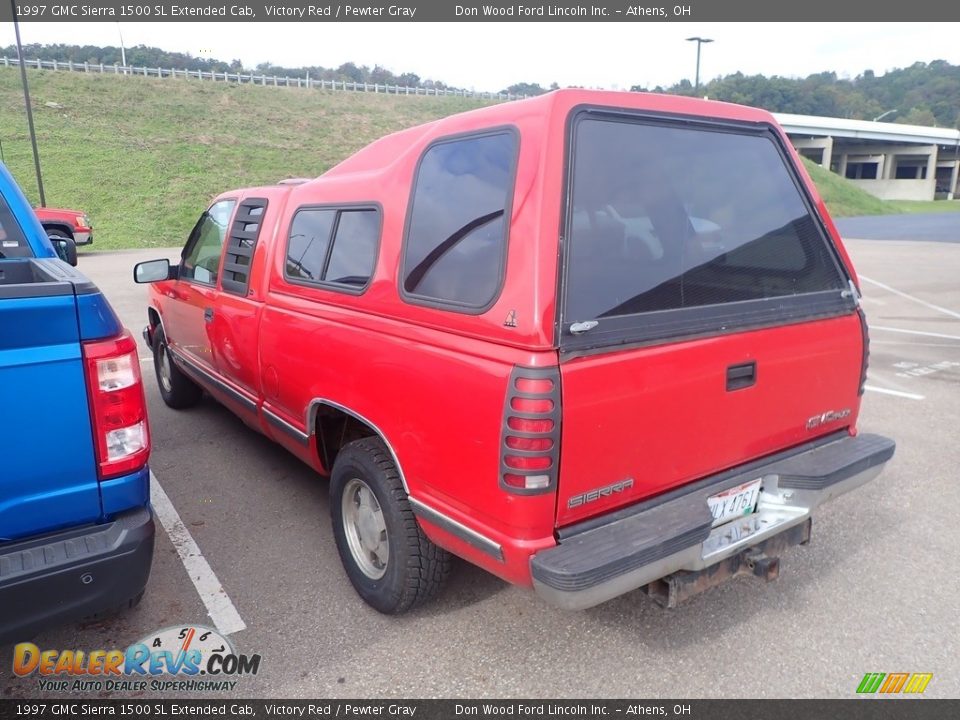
x: 642, y: 421
x: 48, y: 475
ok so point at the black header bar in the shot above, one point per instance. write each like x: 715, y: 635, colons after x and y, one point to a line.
x: 494, y: 11
x: 873, y: 708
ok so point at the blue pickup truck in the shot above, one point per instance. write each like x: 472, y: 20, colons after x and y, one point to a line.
x: 76, y: 527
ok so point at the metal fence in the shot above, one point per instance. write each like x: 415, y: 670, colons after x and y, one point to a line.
x: 253, y: 79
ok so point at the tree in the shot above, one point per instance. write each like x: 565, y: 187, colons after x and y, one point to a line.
x: 524, y: 89
x: 917, y: 116
x: 925, y: 93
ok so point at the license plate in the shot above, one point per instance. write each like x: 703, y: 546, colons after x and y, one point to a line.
x: 734, y: 502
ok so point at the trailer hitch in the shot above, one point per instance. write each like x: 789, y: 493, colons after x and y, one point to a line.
x: 762, y: 561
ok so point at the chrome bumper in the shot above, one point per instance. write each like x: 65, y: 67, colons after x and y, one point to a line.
x: 657, y: 539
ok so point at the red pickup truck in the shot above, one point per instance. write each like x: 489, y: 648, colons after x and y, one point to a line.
x: 60, y: 222
x: 590, y: 341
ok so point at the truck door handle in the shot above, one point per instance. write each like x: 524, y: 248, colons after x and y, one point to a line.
x: 741, y: 376
x: 208, y: 314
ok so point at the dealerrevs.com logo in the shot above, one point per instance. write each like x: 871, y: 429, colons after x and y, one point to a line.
x: 174, y: 659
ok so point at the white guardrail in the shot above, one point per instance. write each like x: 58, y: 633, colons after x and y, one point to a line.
x: 253, y: 79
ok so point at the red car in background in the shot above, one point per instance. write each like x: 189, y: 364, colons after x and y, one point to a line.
x: 73, y: 224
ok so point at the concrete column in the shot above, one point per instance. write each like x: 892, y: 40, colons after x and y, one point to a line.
x: 932, y: 164
x: 885, y: 170
x: 842, y: 171
x: 827, y: 153
x: 954, y: 181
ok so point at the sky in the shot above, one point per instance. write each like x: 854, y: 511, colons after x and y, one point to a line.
x: 492, y: 56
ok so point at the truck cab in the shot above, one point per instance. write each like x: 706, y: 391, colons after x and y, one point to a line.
x: 76, y: 527
x: 589, y: 341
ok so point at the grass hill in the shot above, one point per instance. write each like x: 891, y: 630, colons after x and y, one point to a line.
x: 143, y: 156
x: 842, y: 197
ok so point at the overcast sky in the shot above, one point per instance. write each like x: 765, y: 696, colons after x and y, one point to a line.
x: 491, y: 56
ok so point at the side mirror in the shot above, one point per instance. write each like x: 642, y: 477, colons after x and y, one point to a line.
x: 153, y: 271
x: 66, y: 249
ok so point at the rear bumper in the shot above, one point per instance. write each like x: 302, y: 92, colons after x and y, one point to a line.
x: 72, y: 574
x: 636, y: 548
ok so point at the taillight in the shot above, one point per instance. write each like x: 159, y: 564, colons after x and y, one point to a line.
x: 117, y: 405
x: 530, y: 447
x: 865, y: 362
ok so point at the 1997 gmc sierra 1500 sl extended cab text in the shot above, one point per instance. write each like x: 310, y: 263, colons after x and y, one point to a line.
x: 76, y: 529
x: 590, y: 342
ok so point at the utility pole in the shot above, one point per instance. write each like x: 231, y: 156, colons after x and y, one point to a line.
x: 123, y: 50
x: 699, y: 41
x: 26, y: 100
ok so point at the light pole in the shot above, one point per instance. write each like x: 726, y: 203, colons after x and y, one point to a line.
x: 26, y: 101
x: 123, y: 51
x: 699, y: 41
x: 881, y: 116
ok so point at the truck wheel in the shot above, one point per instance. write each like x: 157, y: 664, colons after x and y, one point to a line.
x: 58, y: 232
x: 177, y: 390
x: 391, y: 563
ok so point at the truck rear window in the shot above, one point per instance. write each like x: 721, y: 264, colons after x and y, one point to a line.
x: 668, y: 222
x: 12, y: 242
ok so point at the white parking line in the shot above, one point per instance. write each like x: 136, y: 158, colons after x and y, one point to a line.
x: 902, y: 294
x: 914, y: 332
x: 221, y: 609
x: 896, y: 393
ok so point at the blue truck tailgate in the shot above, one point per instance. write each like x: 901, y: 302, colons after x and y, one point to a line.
x: 48, y: 472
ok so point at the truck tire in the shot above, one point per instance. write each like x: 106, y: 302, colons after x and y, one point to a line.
x: 390, y: 562
x: 58, y: 232
x: 177, y: 390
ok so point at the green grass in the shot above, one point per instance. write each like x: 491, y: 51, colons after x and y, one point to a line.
x: 144, y: 156
x: 842, y: 197
x: 922, y: 206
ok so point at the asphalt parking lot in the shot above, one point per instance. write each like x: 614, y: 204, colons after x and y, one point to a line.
x: 876, y: 591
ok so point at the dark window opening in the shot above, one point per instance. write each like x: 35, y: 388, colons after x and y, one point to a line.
x: 328, y: 245
x: 862, y: 170
x: 814, y: 154
x: 457, y: 232
x: 12, y: 242
x: 911, y: 172
x: 668, y: 218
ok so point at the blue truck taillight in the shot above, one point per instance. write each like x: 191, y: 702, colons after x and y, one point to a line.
x: 118, y: 407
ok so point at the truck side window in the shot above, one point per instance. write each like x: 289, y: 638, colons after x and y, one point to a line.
x: 457, y: 230
x: 354, y: 249
x: 12, y: 242
x: 201, y: 256
x: 333, y: 246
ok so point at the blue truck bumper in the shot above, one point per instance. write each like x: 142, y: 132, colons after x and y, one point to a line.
x: 74, y: 573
